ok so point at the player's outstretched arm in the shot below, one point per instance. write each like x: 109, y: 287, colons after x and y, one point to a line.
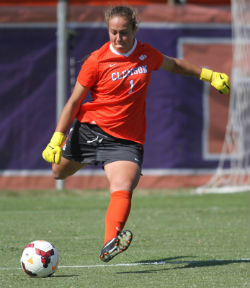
x: 219, y: 81
x: 53, y: 152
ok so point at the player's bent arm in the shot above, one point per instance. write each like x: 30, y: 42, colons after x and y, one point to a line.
x: 71, y: 108
x: 53, y: 152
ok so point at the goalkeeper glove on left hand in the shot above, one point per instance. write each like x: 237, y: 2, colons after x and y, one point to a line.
x: 53, y: 152
x: 219, y: 81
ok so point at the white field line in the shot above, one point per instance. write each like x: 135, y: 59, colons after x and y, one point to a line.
x: 142, y: 264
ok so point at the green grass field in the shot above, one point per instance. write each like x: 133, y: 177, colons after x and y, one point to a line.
x: 180, y: 239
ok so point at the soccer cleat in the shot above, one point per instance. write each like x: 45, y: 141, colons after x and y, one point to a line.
x: 116, y: 245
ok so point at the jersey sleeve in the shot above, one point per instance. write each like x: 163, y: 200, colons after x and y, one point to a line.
x: 89, y: 73
x: 157, y: 58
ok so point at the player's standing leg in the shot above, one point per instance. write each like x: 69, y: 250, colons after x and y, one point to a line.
x: 123, y: 177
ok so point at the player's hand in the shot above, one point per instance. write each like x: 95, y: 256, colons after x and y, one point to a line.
x: 53, y: 152
x: 219, y: 81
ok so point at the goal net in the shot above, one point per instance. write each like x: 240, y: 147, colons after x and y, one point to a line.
x: 233, y: 172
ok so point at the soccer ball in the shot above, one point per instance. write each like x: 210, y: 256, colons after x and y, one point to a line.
x: 39, y: 259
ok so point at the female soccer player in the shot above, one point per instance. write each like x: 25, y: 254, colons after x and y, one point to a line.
x: 111, y: 128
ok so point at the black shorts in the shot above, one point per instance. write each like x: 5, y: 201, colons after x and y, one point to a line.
x: 89, y: 144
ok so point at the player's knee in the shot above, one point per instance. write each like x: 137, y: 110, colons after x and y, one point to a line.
x: 58, y: 174
x: 127, y: 185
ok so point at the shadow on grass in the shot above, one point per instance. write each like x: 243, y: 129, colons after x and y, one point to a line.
x: 185, y: 264
x: 65, y: 276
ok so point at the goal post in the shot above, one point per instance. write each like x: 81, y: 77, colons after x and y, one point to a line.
x: 233, y: 171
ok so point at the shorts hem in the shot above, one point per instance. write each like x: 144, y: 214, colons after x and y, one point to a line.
x: 115, y: 160
x: 79, y: 160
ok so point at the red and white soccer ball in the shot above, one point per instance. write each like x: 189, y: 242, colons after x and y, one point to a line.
x: 39, y: 259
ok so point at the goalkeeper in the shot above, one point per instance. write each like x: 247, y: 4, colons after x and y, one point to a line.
x: 111, y: 128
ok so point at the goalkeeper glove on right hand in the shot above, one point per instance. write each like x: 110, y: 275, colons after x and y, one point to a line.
x: 53, y: 152
x: 219, y: 81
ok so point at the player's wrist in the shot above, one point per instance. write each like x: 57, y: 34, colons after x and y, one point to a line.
x: 206, y: 75
x: 57, y: 138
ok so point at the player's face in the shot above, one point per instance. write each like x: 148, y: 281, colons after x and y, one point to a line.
x: 121, y: 34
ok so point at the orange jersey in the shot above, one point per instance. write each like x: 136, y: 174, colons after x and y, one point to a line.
x: 119, y: 84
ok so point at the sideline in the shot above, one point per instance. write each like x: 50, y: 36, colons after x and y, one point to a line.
x: 197, y: 262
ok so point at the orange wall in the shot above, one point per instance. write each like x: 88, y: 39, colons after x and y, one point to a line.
x: 209, y: 2
x: 106, y: 2
x: 84, y: 2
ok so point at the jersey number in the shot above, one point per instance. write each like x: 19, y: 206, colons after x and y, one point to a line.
x: 131, y: 82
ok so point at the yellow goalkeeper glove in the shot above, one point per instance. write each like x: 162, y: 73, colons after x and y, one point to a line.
x: 219, y: 81
x: 53, y: 152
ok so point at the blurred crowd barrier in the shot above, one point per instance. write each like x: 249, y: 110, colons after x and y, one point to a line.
x: 186, y: 118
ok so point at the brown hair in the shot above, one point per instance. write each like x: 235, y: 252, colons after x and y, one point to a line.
x: 124, y: 11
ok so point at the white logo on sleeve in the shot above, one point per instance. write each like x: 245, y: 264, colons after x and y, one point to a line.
x: 143, y: 57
